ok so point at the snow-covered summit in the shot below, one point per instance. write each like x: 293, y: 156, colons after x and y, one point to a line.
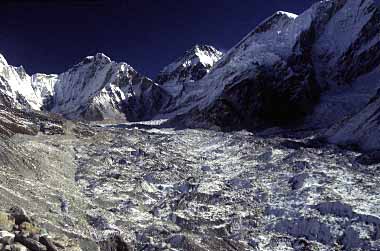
x: 289, y: 14
x: 99, y: 88
x: 2, y: 60
x: 97, y: 58
x: 192, y: 66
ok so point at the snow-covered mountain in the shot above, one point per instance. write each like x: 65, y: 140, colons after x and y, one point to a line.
x: 314, y: 69
x: 95, y: 89
x: 16, y: 88
x: 98, y: 88
x: 188, y: 69
x: 280, y: 71
x: 192, y: 66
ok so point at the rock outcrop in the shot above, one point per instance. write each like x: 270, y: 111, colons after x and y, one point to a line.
x: 17, y: 232
x: 13, y: 121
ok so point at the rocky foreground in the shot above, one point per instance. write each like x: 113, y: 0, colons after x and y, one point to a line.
x: 142, y: 187
x: 18, y: 233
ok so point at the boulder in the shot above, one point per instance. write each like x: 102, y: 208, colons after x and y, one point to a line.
x: 31, y: 244
x: 49, y: 128
x: 298, y: 181
x: 6, y: 222
x: 336, y: 208
x: 370, y: 158
x: 18, y: 247
x: 115, y: 243
x: 48, y: 243
x: 19, y: 215
x: 6, y: 238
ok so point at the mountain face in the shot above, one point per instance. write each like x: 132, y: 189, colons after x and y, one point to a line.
x: 192, y: 66
x: 184, y: 74
x: 361, y: 130
x: 280, y: 71
x: 98, y: 88
x: 16, y: 88
x: 95, y: 89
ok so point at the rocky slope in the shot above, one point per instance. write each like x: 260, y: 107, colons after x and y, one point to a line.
x: 14, y: 121
x: 280, y: 71
x: 19, y: 233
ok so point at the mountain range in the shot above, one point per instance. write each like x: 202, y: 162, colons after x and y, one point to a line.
x: 305, y: 71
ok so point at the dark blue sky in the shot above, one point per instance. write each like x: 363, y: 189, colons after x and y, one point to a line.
x: 147, y: 34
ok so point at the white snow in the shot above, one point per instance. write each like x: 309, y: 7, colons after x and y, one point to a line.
x: 194, y: 56
x: 2, y: 60
x: 18, y: 84
x: 342, y: 30
x: 291, y: 15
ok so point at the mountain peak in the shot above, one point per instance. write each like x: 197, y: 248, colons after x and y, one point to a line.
x: 2, y: 60
x: 192, y: 66
x: 203, y: 47
x: 288, y: 14
x: 21, y: 71
x: 98, y: 58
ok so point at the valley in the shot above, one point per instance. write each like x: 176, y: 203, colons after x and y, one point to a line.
x: 166, y: 189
